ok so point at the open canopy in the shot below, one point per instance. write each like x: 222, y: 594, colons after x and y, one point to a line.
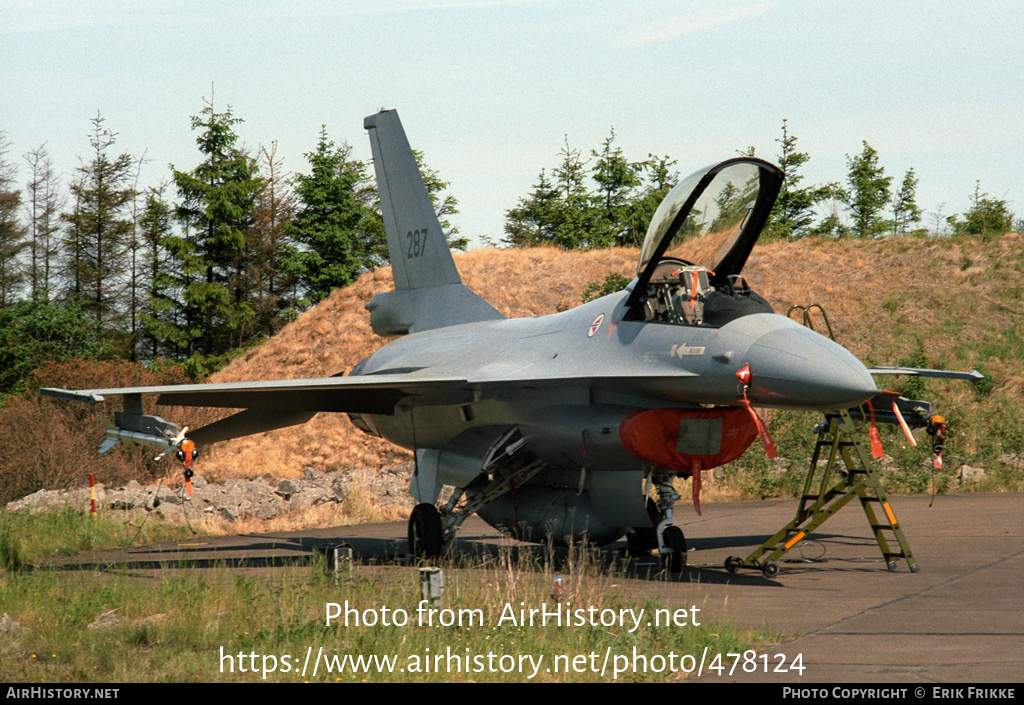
x: 712, y: 219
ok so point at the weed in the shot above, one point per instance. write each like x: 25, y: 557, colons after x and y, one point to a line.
x: 613, y: 283
x: 11, y: 554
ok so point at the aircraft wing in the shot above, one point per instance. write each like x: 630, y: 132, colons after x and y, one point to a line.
x: 368, y: 394
x: 269, y: 405
x: 371, y: 394
x: 265, y: 405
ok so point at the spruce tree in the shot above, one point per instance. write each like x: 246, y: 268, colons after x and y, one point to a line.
x: 161, y: 332
x: 217, y: 202
x: 96, y: 238
x: 43, y: 203
x: 904, y: 205
x: 332, y: 220
x: 531, y: 223
x: 269, y: 244
x: 563, y: 211
x: 793, y: 212
x: 617, y: 180
x: 13, y: 235
x: 868, y: 193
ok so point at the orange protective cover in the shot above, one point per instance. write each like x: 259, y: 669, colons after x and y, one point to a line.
x: 652, y: 436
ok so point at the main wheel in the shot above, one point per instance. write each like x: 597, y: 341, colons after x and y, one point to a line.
x: 675, y: 542
x: 425, y: 534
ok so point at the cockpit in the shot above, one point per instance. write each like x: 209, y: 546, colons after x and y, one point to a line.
x: 697, y: 243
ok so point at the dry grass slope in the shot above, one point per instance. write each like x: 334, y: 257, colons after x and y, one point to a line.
x: 947, y: 303
x: 942, y: 303
x: 336, y: 335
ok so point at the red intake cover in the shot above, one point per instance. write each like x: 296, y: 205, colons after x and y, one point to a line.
x: 653, y: 436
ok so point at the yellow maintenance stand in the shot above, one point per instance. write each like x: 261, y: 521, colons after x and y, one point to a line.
x: 827, y: 489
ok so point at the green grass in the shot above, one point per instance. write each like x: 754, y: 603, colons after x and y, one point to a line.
x: 26, y: 538
x: 207, y: 625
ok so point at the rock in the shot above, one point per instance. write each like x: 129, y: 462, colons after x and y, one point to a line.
x: 309, y: 473
x: 173, y: 512
x: 107, y: 620
x: 287, y: 488
x: 1011, y: 460
x: 967, y: 473
x: 887, y: 465
x: 151, y: 620
x: 235, y: 499
x: 9, y: 626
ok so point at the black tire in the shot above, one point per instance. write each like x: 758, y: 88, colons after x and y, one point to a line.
x: 644, y: 539
x: 425, y: 534
x: 770, y: 569
x: 641, y: 541
x: 675, y: 542
x: 732, y: 563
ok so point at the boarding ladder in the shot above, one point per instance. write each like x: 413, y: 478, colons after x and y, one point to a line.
x: 827, y: 489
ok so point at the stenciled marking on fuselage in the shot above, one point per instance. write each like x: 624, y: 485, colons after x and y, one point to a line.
x: 684, y: 349
x: 596, y: 325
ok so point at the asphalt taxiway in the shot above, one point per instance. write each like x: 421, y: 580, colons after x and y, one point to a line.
x: 959, y: 619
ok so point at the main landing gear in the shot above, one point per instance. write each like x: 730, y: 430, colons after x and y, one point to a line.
x: 425, y: 532
x: 673, y: 551
x: 508, y: 463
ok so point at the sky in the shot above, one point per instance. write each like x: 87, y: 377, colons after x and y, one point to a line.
x: 491, y: 90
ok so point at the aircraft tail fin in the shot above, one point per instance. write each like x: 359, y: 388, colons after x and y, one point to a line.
x: 420, y: 259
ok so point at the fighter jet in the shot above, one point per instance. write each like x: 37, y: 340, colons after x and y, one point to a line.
x: 563, y: 427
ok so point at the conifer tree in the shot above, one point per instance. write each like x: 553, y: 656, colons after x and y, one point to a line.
x: 43, y: 203
x: 531, y: 223
x: 617, y: 180
x: 12, y: 231
x: 332, y: 220
x: 987, y: 216
x: 868, y: 192
x: 95, y: 241
x: 269, y: 284
x: 161, y: 333
x: 794, y: 208
x: 904, y: 205
x: 563, y: 211
x: 217, y: 202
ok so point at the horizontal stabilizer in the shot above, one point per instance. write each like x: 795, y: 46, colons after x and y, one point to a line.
x: 414, y: 310
x: 972, y: 376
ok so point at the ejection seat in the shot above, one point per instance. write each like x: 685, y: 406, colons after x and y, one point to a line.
x: 681, y: 289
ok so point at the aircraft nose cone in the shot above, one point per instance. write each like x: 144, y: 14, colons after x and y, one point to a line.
x: 795, y: 367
